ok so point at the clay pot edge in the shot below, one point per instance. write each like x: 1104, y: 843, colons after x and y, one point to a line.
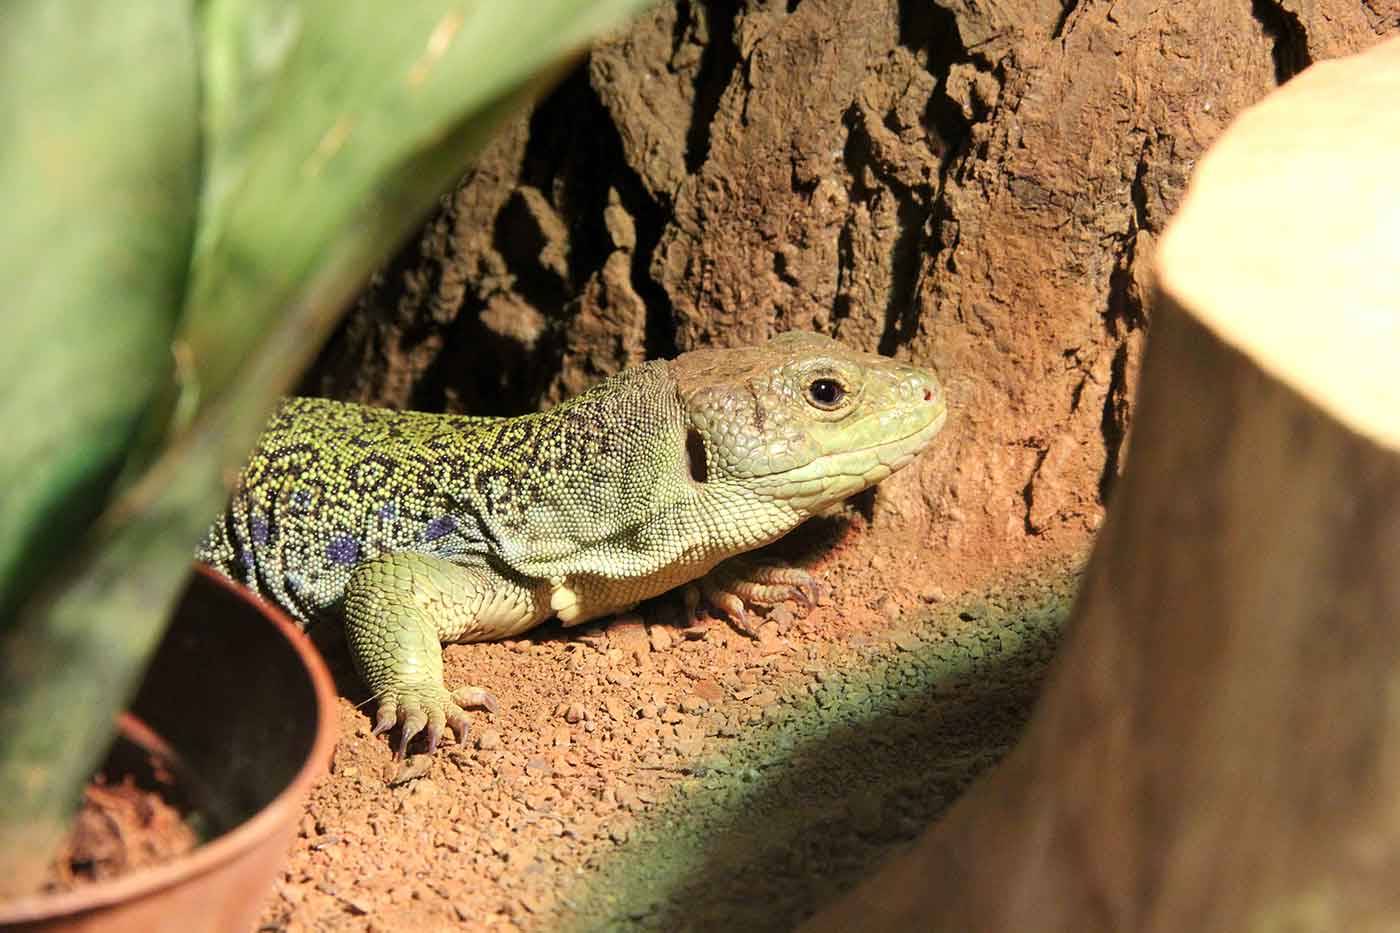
x: 228, y: 846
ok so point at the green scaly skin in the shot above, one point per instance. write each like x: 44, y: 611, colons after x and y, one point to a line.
x: 422, y: 529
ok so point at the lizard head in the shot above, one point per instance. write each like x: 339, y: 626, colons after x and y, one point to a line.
x: 802, y: 421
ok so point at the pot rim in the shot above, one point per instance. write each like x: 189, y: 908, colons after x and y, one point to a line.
x: 229, y: 845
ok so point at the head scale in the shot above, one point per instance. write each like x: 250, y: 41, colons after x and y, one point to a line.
x: 803, y: 421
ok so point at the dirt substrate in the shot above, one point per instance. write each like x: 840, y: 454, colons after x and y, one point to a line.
x: 646, y: 774
x: 121, y: 827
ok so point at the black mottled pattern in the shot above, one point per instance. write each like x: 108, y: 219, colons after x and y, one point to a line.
x: 332, y: 484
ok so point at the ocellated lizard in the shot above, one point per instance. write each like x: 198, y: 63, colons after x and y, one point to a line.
x: 424, y: 528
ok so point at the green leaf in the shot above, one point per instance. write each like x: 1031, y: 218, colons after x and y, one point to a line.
x: 331, y: 128
x: 326, y: 130
x: 98, y: 175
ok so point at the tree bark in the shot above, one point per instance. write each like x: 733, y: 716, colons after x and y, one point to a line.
x: 1219, y: 747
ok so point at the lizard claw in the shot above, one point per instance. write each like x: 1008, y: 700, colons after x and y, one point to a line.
x: 430, y: 711
x: 734, y: 611
x: 741, y: 582
x: 476, y: 698
x: 412, y: 721
x: 384, y: 717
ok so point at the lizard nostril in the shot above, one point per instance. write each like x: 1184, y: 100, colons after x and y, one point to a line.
x: 928, y: 394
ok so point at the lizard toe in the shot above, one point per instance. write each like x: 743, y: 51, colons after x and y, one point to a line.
x: 431, y: 712
x: 741, y: 582
x: 810, y: 593
x: 731, y: 606
x: 385, y: 715
x: 459, y: 722
x: 437, y: 721
x: 412, y: 720
x: 476, y: 698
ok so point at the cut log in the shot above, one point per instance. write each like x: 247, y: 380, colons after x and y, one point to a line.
x: 1218, y: 747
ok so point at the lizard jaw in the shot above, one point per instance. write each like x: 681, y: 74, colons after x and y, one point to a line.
x: 826, y: 481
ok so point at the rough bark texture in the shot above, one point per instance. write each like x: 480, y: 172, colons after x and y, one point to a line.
x: 973, y: 185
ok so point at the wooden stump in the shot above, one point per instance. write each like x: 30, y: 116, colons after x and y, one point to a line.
x: 1218, y: 747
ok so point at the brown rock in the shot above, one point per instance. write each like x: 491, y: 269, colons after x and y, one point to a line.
x: 692, y: 704
x: 660, y: 638
x: 629, y: 634
x: 616, y: 709
x: 709, y: 691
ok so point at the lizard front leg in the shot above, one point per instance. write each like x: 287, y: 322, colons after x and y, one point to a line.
x: 400, y: 608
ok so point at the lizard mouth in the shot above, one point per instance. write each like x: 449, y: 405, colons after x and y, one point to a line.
x: 906, y: 447
x: 835, y: 476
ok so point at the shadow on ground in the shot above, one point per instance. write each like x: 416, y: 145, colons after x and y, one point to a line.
x: 846, y: 772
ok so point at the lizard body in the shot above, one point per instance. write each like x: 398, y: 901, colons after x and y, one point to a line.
x: 420, y: 528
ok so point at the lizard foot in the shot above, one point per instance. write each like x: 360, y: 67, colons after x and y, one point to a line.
x: 741, y: 582
x: 428, y: 709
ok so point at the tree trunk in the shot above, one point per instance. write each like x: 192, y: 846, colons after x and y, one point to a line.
x: 1219, y: 748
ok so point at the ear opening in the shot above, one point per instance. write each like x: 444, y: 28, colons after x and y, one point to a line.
x: 695, y: 456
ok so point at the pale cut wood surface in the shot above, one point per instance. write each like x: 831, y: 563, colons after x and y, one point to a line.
x: 1288, y: 243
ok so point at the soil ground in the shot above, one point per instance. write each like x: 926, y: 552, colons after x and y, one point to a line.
x: 121, y: 827
x: 647, y: 774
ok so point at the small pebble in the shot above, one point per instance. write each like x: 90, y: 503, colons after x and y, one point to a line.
x: 709, y: 691
x: 781, y: 616
x: 628, y: 634
x: 488, y: 740
x: 616, y: 709
x: 660, y: 638
x: 412, y: 768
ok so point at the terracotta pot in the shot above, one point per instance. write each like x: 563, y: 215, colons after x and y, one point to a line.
x: 242, y: 709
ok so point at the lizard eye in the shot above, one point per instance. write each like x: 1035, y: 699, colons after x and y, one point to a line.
x: 826, y: 393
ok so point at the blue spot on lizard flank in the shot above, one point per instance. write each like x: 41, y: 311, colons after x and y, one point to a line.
x: 343, y: 550
x: 442, y: 525
x: 258, y: 525
x: 387, y: 512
